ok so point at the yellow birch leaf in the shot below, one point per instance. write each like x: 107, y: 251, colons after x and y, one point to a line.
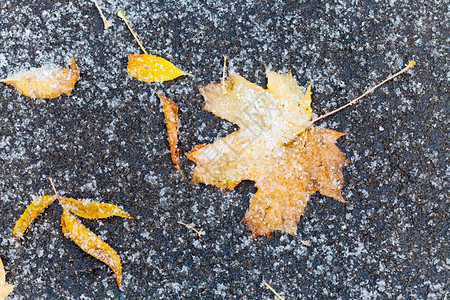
x: 93, y: 210
x: 45, y: 83
x: 91, y: 243
x: 171, y: 115
x: 5, y: 289
x: 33, y: 210
x: 152, y: 68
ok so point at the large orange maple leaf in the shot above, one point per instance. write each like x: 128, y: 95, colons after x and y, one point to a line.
x: 275, y: 146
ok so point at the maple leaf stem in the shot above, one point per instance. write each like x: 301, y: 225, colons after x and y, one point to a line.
x: 199, y: 233
x: 272, y: 290
x: 224, y: 74
x: 409, y: 66
x: 121, y: 14
x: 105, y: 22
x: 54, y: 189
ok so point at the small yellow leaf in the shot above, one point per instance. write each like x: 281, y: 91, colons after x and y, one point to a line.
x: 91, y: 243
x: 45, y: 83
x: 151, y: 68
x: 5, y: 289
x: 33, y: 210
x: 93, y: 210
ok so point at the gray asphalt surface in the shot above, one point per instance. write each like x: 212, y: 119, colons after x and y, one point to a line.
x: 107, y: 142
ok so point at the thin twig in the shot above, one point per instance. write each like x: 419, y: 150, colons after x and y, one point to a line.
x: 200, y: 233
x: 105, y: 22
x: 121, y: 14
x: 272, y: 290
x: 53, y: 187
x: 409, y: 66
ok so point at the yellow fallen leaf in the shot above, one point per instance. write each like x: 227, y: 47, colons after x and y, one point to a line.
x: 275, y: 146
x: 45, y: 83
x: 171, y: 115
x: 73, y: 229
x: 152, y: 68
x: 93, y: 210
x: 91, y: 243
x: 5, y: 289
x: 33, y: 210
x: 310, y: 163
x: 148, y: 67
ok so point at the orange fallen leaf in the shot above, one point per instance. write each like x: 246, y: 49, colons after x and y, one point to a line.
x: 91, y: 243
x: 309, y: 164
x: 45, y: 83
x: 152, y: 68
x: 171, y: 115
x: 33, y: 210
x: 275, y: 146
x: 93, y: 210
x: 5, y: 289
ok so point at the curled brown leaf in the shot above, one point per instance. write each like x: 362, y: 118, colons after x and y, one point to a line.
x: 171, y: 116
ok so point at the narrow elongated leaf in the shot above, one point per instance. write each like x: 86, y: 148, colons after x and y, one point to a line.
x: 151, y: 68
x: 45, y: 83
x: 93, y: 210
x: 171, y: 115
x: 33, y: 210
x: 91, y: 243
x: 5, y: 289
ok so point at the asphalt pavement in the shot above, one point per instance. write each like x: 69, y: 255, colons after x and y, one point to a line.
x: 107, y: 142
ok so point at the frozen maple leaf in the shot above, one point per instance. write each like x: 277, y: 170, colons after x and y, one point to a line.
x: 5, y: 289
x: 275, y: 146
x: 45, y: 83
